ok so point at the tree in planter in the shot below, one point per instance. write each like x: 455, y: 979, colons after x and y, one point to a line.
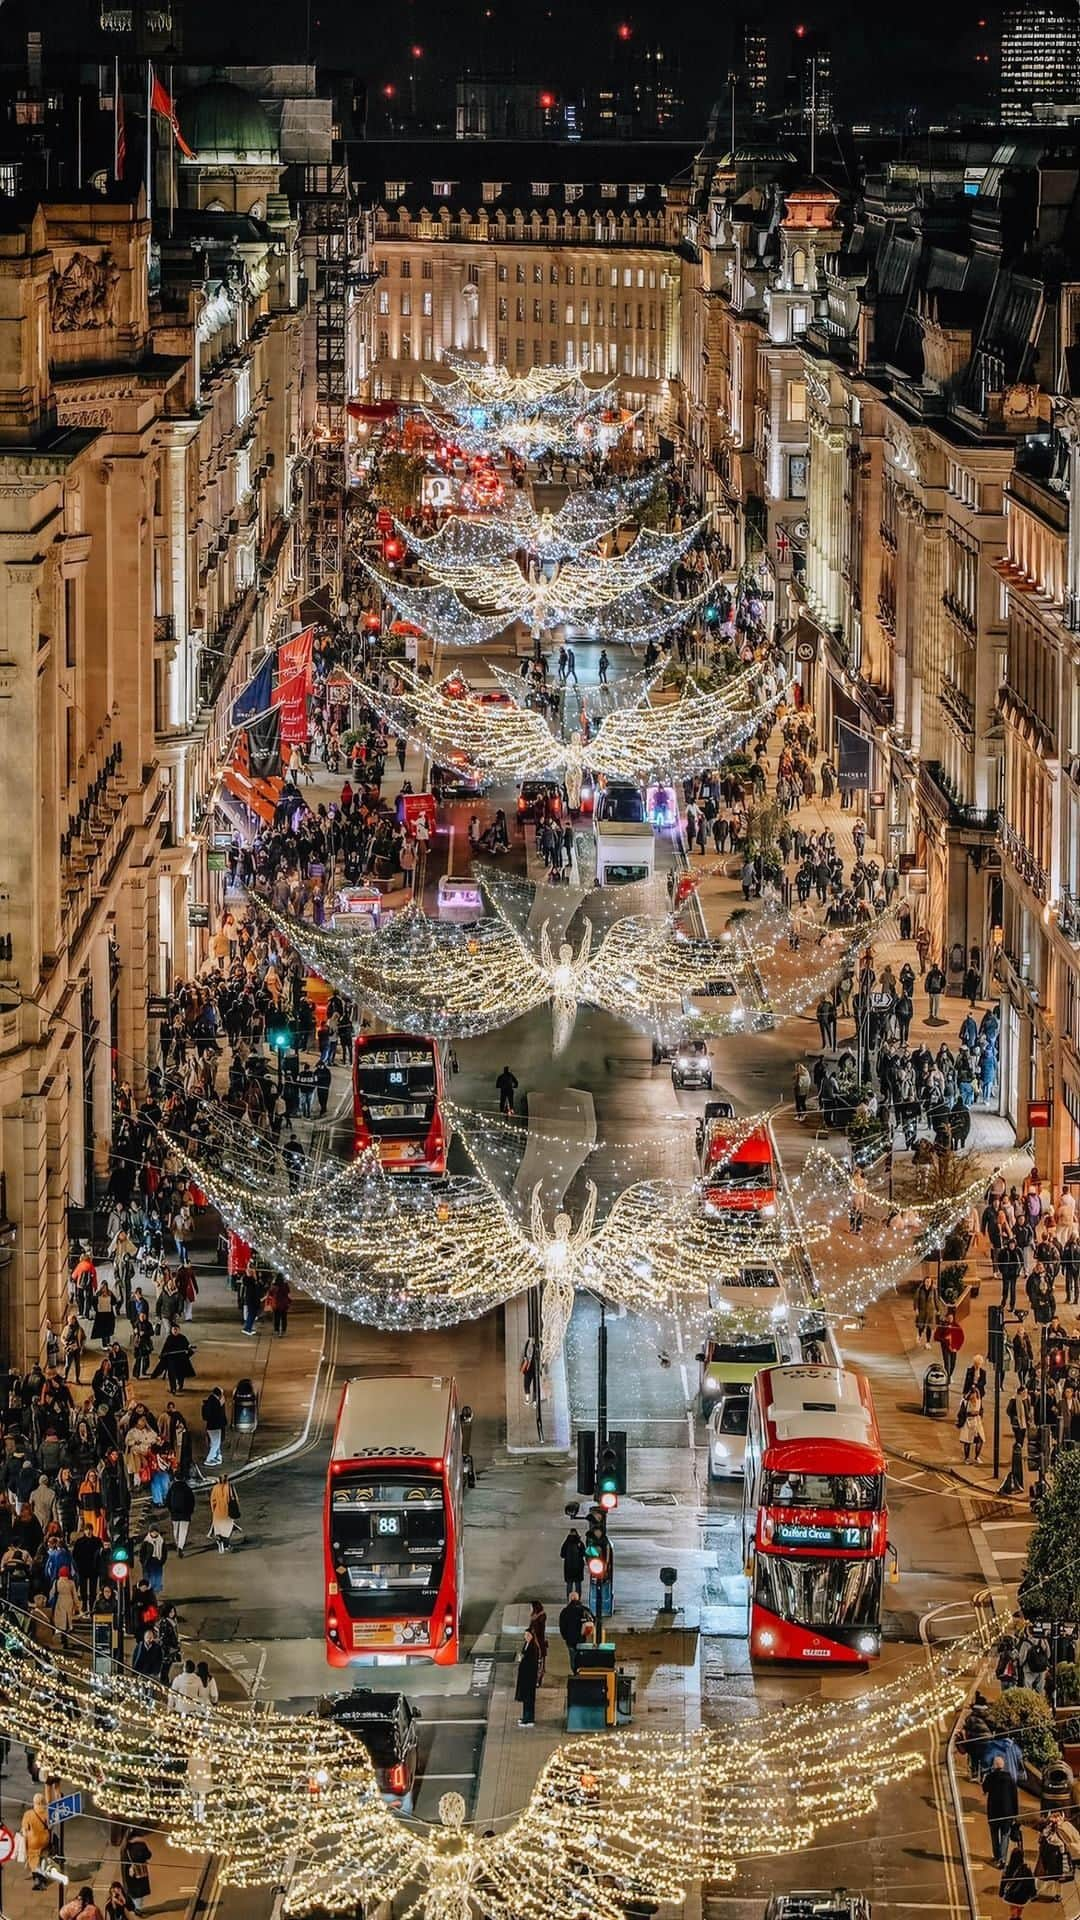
x: 398, y: 484
x: 1050, y: 1588
x: 763, y: 824
x: 951, y: 1283
x: 1028, y: 1718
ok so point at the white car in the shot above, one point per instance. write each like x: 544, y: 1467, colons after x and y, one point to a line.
x: 727, y: 1432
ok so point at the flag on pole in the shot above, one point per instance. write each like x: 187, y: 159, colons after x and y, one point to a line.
x: 161, y: 102
x: 120, y: 128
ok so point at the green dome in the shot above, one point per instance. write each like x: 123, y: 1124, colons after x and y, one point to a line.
x: 222, y: 122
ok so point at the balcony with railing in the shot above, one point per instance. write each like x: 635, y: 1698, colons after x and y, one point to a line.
x: 960, y: 814
x: 1024, y: 861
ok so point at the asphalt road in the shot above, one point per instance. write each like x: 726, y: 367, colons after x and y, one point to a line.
x: 263, y: 1610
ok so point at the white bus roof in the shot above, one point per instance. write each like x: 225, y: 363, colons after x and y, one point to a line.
x: 405, y: 1412
x: 817, y: 1403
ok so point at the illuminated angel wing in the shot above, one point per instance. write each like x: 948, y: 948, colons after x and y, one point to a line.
x: 211, y: 1782
x: 611, y: 1820
x: 653, y: 741
x: 440, y: 611
x: 424, y: 975
x: 508, y: 742
x: 643, y: 969
x: 383, y: 1251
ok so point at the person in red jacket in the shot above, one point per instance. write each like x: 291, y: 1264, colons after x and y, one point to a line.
x: 949, y: 1335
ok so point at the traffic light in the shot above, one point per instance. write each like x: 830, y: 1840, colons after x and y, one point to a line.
x: 393, y: 550
x: 119, y: 1562
x: 596, y: 1549
x: 586, y: 1461
x: 712, y: 614
x: 281, y: 1038
x: 607, y: 1481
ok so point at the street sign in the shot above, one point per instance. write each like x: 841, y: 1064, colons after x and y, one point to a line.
x: 157, y: 1006
x: 68, y: 1807
x: 221, y: 841
x: 384, y: 520
x: 1070, y: 1174
x: 7, y: 1845
x: 215, y: 861
x: 198, y: 914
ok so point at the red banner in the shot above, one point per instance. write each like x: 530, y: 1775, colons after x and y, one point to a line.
x: 293, y: 686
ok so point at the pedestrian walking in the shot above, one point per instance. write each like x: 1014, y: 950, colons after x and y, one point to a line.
x: 1002, y: 1807
x: 180, y: 1507
x: 279, y: 1300
x: 572, y: 1552
x: 969, y: 1419
x: 802, y: 1086
x: 602, y: 666
x: 949, y: 1335
x: 135, y: 1858
x: 506, y: 1086
x: 927, y: 1309
x: 572, y: 1621
x: 153, y: 1554
x: 1017, y: 1884
x: 37, y: 1838
x: 935, y: 987
x: 528, y: 1679
x: 215, y: 1419
x: 224, y: 1513
x: 857, y: 1200
x: 826, y: 1019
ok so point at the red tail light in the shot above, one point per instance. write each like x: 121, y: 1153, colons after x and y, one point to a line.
x: 398, y: 1779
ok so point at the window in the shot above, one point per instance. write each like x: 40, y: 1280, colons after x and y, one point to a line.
x: 796, y: 471
x: 635, y: 191
x: 406, y: 346
x: 584, y: 313
x: 425, y: 304
x: 796, y: 400
x: 586, y: 360
x: 10, y: 175
x: 612, y: 357
x: 426, y: 346
x: 554, y: 276
x: 500, y: 349
x: 553, y: 351
x: 652, y: 316
x: 425, y: 270
x: 504, y: 307
x: 519, y: 353
x: 640, y: 314
x: 798, y: 321
x: 406, y: 305
x: 442, y: 189
x: 569, y: 353
x: 627, y: 277
x: 626, y: 313
x: 519, y: 310
x: 538, y: 311
x: 569, y: 276
x: 541, y: 189
x: 614, y: 276
x: 641, y: 276
x: 384, y: 346
x: 614, y: 313
x: 553, y: 312
x: 492, y: 189
x: 502, y: 270
x: 652, y: 276
x: 382, y: 268
x: 627, y: 365
x: 393, y: 190
x: 472, y: 275
x: 798, y: 268
x: 585, y: 276
x: 569, y: 313
x: 384, y: 300
x: 608, y: 190
x: 572, y: 191
x: 70, y: 623
x: 405, y: 269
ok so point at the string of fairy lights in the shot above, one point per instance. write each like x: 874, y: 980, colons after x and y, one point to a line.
x: 488, y: 410
x: 624, y: 1817
x: 585, y: 518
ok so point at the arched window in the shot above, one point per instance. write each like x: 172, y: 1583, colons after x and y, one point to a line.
x: 798, y: 268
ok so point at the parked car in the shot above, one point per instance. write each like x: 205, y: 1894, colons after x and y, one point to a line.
x: 386, y: 1724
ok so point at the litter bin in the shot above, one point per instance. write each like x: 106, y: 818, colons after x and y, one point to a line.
x: 245, y: 1407
x: 1057, y: 1786
x: 935, y: 1392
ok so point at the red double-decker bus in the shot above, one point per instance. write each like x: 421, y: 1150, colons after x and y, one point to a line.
x: 397, y: 1101
x: 393, y: 1523
x: 739, y: 1176
x: 815, y: 1526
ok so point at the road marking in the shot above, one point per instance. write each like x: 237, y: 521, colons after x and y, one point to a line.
x: 477, y: 1720
x: 685, y: 1378
x: 679, y: 1348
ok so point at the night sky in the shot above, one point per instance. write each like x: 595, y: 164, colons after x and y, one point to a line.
x: 885, y: 62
